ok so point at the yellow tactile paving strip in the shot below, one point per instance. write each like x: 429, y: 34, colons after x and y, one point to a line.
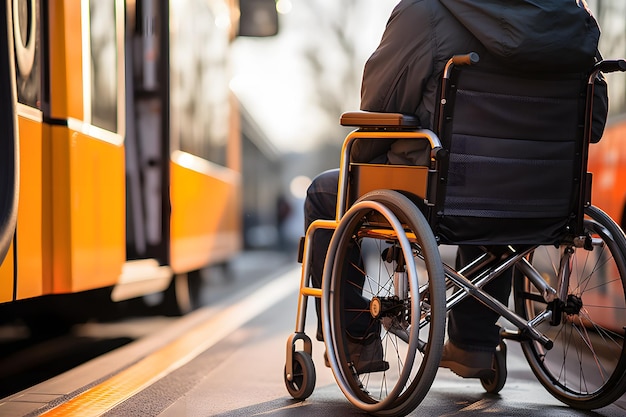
x: 123, y: 385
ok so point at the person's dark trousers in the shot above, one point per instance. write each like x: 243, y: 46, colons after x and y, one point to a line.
x: 471, y: 325
x: 321, y: 203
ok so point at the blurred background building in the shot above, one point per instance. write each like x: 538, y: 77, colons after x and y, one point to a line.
x: 294, y: 87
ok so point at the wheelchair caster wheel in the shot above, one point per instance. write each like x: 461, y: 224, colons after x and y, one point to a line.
x: 495, y: 383
x: 303, y: 381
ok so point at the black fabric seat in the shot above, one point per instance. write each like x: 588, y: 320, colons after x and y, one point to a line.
x: 514, y: 163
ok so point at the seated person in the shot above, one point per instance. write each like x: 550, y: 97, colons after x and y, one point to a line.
x: 403, y: 75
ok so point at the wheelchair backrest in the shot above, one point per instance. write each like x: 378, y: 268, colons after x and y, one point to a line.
x: 514, y: 165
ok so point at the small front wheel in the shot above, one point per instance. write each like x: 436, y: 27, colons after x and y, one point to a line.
x: 495, y: 383
x: 303, y: 382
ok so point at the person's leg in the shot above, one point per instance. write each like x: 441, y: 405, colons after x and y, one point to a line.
x: 472, y: 327
x: 363, y: 332
x: 320, y: 203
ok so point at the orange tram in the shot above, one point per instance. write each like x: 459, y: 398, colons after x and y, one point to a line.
x: 120, y: 149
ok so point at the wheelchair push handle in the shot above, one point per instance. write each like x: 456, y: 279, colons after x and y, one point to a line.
x: 467, y: 59
x: 605, y: 66
x: 470, y: 58
x: 611, y: 65
x: 460, y: 60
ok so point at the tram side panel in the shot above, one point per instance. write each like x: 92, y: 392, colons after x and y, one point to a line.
x: 607, y: 162
x: 205, y: 216
x: 87, y: 211
x: 32, y: 229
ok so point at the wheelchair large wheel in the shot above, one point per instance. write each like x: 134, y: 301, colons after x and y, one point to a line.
x: 383, y: 304
x: 586, y: 367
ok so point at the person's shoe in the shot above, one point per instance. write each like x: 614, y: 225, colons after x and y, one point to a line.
x: 466, y: 363
x: 366, y: 356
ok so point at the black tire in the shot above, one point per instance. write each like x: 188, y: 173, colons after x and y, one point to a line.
x: 410, y: 328
x: 495, y: 384
x: 183, y: 294
x: 302, y: 384
x: 586, y: 367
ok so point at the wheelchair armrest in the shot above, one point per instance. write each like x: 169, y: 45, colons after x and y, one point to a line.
x: 378, y: 119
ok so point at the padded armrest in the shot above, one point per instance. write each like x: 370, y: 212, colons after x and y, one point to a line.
x: 378, y: 119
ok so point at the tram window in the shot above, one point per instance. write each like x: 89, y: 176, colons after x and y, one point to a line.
x: 200, y: 111
x: 27, y: 48
x: 104, y: 74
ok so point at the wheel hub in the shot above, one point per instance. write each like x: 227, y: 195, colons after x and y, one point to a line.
x: 386, y: 307
x: 375, y: 307
x: 573, y: 305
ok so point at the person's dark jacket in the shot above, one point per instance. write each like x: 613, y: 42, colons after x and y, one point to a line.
x: 403, y: 73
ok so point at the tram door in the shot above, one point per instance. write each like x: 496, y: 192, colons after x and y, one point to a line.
x: 147, y: 145
x: 183, y: 141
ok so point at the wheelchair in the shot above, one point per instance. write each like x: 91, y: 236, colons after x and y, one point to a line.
x: 515, y: 185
